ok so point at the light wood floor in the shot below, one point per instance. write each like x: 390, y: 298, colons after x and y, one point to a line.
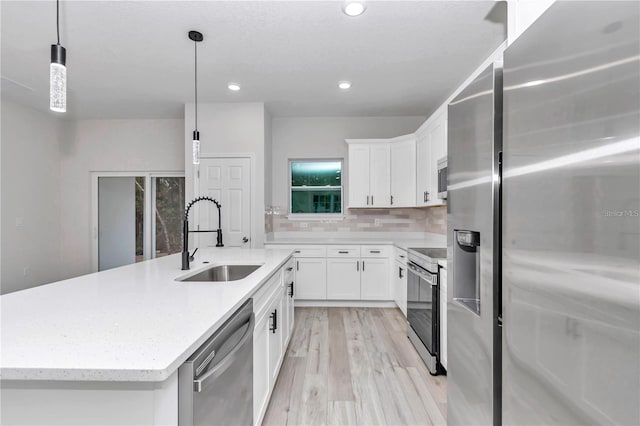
x: 354, y: 366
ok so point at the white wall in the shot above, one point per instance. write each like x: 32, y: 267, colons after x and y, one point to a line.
x: 30, y: 197
x: 323, y: 137
x: 107, y: 145
x: 231, y: 129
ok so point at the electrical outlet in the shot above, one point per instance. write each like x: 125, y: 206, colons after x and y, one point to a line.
x: 377, y: 222
x: 304, y: 225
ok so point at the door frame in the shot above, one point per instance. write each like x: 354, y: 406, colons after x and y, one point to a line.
x: 149, y: 204
x: 252, y: 184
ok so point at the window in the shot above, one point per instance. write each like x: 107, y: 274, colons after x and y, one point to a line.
x: 315, y: 187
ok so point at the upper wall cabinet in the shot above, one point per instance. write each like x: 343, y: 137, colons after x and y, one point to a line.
x: 403, y: 171
x: 431, y: 146
x: 369, y: 174
x: 382, y: 172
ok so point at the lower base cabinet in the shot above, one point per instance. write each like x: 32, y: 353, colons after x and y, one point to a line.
x: 374, y: 284
x: 400, y: 286
x: 273, y: 308
x: 343, y: 279
x: 311, y: 278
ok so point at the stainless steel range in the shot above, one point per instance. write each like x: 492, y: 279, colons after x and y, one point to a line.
x: 422, y: 305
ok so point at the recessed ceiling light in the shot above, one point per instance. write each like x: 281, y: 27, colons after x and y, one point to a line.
x: 233, y: 87
x: 354, y: 8
x: 344, y: 85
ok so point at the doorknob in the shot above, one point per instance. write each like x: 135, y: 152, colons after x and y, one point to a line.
x: 245, y: 240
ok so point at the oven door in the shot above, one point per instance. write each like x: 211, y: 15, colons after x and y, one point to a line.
x: 422, y: 306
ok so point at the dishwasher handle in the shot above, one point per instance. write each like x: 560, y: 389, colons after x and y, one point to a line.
x: 227, y: 360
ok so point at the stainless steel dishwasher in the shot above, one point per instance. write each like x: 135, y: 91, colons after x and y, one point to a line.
x: 215, y: 385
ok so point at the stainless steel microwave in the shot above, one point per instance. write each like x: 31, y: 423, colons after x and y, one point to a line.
x: 442, y: 178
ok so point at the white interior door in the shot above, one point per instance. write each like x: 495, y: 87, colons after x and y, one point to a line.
x: 117, y: 222
x: 227, y: 180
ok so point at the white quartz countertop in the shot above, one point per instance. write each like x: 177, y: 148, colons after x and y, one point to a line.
x: 133, y: 323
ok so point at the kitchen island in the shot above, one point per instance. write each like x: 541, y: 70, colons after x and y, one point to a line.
x: 104, y: 348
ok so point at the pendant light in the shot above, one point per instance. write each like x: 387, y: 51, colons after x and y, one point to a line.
x: 196, y: 37
x: 58, y: 72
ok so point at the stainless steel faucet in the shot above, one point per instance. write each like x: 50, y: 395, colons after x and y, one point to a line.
x: 186, y: 257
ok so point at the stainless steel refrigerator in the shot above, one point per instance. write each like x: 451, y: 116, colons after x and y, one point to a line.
x: 544, y: 293
x: 571, y: 224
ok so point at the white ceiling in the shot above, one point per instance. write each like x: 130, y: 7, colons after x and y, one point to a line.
x: 129, y: 59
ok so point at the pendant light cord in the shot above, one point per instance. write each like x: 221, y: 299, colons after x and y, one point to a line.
x: 195, y: 45
x: 58, y: 19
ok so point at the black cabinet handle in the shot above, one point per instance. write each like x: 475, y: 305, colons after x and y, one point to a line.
x: 291, y: 289
x: 363, y: 266
x: 400, y: 272
x: 357, y: 265
x: 374, y: 251
x: 297, y: 265
x: 343, y: 252
x: 274, y: 321
x: 289, y: 269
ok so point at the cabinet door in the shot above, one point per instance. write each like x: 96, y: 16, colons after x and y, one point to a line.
x: 437, y: 141
x: 291, y: 307
x: 397, y: 284
x: 380, y: 175
x: 443, y: 317
x: 311, y: 279
x: 358, y: 175
x: 285, y: 316
x: 261, y: 381
x: 374, y: 280
x: 275, y: 339
x: 343, y: 279
x: 403, y: 173
x: 423, y: 171
x: 403, y: 289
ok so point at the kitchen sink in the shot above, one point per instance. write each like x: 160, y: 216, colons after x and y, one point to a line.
x: 222, y: 273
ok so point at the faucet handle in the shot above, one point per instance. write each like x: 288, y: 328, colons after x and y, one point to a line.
x: 191, y: 256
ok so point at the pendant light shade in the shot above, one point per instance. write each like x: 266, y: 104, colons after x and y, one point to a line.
x: 58, y: 72
x: 196, y: 37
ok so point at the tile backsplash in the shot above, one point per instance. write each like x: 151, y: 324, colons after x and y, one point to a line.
x: 432, y: 219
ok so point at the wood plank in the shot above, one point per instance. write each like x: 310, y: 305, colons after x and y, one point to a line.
x: 314, y: 400
x: 411, y: 394
x: 318, y: 355
x: 430, y: 405
x: 299, y: 345
x: 282, y: 397
x: 339, y: 386
x: 396, y: 411
x: 342, y: 413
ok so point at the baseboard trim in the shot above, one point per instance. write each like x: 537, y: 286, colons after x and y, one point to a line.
x: 346, y: 303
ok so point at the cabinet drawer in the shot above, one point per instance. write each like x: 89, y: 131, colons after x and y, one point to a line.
x: 374, y: 251
x: 400, y: 255
x: 343, y: 251
x: 301, y: 250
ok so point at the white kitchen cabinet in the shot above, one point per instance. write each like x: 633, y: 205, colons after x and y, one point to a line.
x: 359, y: 175
x: 437, y: 150
x: 380, y: 175
x: 375, y: 279
x: 311, y: 278
x: 423, y: 171
x: 275, y: 337
x: 400, y: 286
x: 443, y: 317
x: 403, y: 172
x: 431, y: 146
x: 369, y: 174
x: 343, y: 278
x: 288, y: 306
x: 261, y: 373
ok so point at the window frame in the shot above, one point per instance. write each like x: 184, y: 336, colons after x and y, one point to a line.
x: 316, y: 216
